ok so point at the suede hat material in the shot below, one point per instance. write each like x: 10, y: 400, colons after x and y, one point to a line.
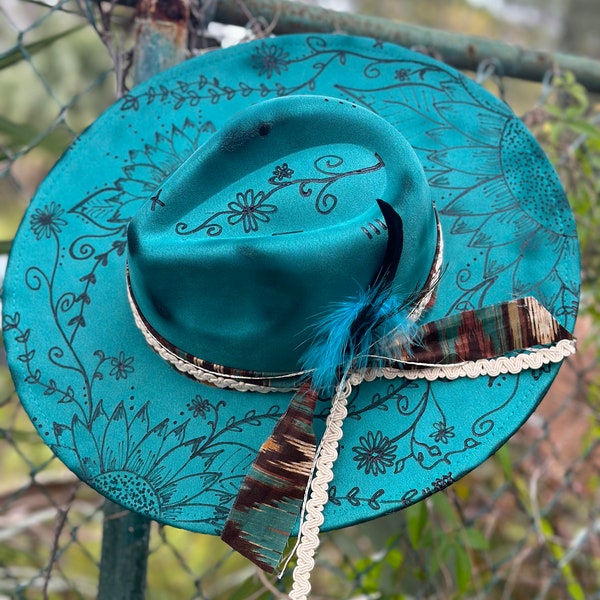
x: 233, y: 199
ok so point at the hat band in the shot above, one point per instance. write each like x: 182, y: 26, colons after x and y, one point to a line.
x: 207, y: 372
x: 441, y: 352
x: 243, y: 380
x: 504, y: 338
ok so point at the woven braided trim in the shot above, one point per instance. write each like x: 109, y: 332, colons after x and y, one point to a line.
x: 492, y: 367
x: 195, y: 371
x: 327, y: 453
x: 435, y: 274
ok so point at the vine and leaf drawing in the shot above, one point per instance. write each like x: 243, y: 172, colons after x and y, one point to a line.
x: 164, y: 453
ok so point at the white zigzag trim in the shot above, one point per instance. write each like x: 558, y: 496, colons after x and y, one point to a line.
x: 327, y: 453
x: 492, y: 367
x: 188, y: 368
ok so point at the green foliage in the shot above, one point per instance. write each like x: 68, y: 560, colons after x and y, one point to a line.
x: 416, y: 520
x: 15, y: 136
x: 449, y: 552
x: 18, y: 53
x: 504, y: 459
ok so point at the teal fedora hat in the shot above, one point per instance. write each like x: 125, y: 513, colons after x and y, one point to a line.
x: 270, y: 240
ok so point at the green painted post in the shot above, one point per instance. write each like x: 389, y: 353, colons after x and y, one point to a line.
x: 124, y: 559
x: 161, y: 42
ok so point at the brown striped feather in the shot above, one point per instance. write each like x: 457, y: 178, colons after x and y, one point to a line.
x: 270, y: 497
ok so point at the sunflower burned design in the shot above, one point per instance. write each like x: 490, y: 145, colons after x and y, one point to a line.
x: 250, y: 207
x: 487, y: 203
x: 162, y: 471
x: 110, y: 208
x: 483, y: 187
x: 157, y: 468
x: 164, y: 456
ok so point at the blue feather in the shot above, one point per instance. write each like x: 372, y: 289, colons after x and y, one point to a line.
x: 357, y: 334
x: 363, y: 331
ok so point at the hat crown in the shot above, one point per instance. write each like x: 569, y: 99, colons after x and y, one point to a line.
x: 270, y: 223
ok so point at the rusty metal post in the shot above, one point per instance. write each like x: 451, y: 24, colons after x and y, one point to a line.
x: 161, y: 36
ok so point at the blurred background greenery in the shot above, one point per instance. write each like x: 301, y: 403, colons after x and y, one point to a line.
x: 524, y: 525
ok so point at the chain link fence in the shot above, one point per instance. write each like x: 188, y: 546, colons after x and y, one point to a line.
x: 524, y: 525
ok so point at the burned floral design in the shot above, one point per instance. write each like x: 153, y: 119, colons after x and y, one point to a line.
x: 199, y: 407
x: 270, y: 58
x: 129, y: 465
x: 442, y: 432
x: 529, y: 210
x: 375, y: 454
x: 121, y: 366
x: 282, y: 172
x: 249, y: 209
x: 111, y: 207
x: 47, y: 221
x: 402, y: 74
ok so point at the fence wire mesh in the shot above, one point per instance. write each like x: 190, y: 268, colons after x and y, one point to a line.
x: 524, y: 525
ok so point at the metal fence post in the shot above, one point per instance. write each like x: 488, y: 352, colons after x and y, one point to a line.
x: 125, y: 539
x: 161, y: 42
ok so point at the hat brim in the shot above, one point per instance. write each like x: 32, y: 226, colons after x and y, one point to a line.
x: 175, y: 450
